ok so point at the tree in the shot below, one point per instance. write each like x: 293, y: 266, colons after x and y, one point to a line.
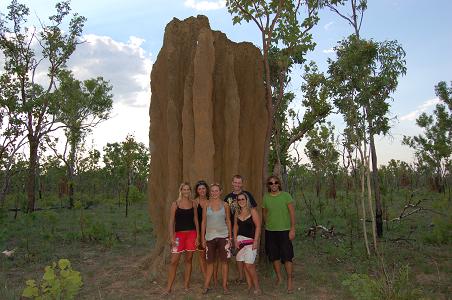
x: 279, y: 27
x: 323, y: 155
x: 83, y: 106
x: 433, y: 149
x: 126, y: 163
x: 34, y: 103
x: 316, y: 108
x: 369, y: 71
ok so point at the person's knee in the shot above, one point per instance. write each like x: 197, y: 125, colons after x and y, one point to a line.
x: 188, y: 258
x: 174, y: 262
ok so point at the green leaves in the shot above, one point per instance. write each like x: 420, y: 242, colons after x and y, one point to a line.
x: 31, y: 291
x: 59, y: 281
x: 362, y: 79
x: 433, y: 148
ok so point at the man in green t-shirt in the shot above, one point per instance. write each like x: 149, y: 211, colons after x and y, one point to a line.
x: 279, y: 218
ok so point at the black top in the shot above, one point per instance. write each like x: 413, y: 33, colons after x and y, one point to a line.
x: 199, y: 209
x: 231, y: 199
x: 184, y: 219
x: 246, y: 227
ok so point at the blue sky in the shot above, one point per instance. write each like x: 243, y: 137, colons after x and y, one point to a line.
x: 124, y: 38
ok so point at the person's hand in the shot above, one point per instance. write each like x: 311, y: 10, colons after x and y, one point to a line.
x: 255, y: 245
x: 292, y: 234
x: 197, y: 242
x: 204, y: 243
x: 236, y: 244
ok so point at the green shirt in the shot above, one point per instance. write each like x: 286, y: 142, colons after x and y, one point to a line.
x: 278, y: 217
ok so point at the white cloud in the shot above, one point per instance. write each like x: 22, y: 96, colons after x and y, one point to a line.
x: 411, y: 116
x: 126, y: 65
x: 328, y: 51
x: 205, y: 5
x: 328, y: 25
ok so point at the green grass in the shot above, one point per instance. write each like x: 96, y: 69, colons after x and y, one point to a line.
x: 112, y: 247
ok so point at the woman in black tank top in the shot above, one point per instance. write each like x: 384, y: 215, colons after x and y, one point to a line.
x: 201, y: 200
x: 183, y: 234
x: 247, y: 231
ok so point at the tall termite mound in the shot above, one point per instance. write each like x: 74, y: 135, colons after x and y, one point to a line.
x: 208, y: 117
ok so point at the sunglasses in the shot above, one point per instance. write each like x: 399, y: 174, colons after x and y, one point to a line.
x: 273, y: 182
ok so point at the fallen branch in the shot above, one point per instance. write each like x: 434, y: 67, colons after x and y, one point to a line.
x: 325, y: 232
x: 416, y: 208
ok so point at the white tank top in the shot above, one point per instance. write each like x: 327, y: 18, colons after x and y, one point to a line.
x: 216, y: 224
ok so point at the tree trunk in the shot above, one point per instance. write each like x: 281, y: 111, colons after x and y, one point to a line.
x: 7, y: 181
x: 127, y: 193
x: 269, y: 113
x: 31, y: 178
x: 376, y: 186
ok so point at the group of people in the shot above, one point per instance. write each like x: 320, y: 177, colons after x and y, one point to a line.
x: 218, y: 228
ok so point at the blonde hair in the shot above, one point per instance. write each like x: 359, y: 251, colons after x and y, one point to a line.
x: 180, y: 190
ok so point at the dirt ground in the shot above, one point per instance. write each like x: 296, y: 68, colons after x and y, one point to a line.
x: 124, y: 278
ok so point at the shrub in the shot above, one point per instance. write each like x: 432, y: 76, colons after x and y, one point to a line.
x: 58, y: 282
x: 398, y: 286
x: 441, y: 232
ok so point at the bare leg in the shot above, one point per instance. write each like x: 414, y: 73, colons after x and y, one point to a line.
x: 172, y: 270
x: 251, y: 270
x: 187, y: 271
x: 277, y: 268
x: 249, y: 280
x: 240, y: 270
x: 224, y: 275
x: 215, y: 273
x: 289, y: 269
x: 209, y: 272
x: 202, y: 262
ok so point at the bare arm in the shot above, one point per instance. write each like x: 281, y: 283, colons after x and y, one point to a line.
x: 257, y: 224
x: 171, y: 223
x: 203, y: 225
x: 291, y: 208
x: 195, y: 219
x: 228, y: 219
x: 264, y: 215
x: 236, y: 229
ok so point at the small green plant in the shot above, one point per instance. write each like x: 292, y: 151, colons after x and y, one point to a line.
x: 362, y: 286
x: 396, y: 286
x: 58, y: 282
x: 441, y: 232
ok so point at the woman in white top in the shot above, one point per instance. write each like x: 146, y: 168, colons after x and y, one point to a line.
x: 216, y: 236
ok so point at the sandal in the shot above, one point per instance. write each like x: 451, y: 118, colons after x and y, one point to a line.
x: 257, y: 292
x: 205, y: 291
x: 226, y: 292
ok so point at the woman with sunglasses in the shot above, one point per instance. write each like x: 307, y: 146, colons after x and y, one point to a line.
x: 278, y: 213
x: 216, y: 236
x: 247, y: 230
